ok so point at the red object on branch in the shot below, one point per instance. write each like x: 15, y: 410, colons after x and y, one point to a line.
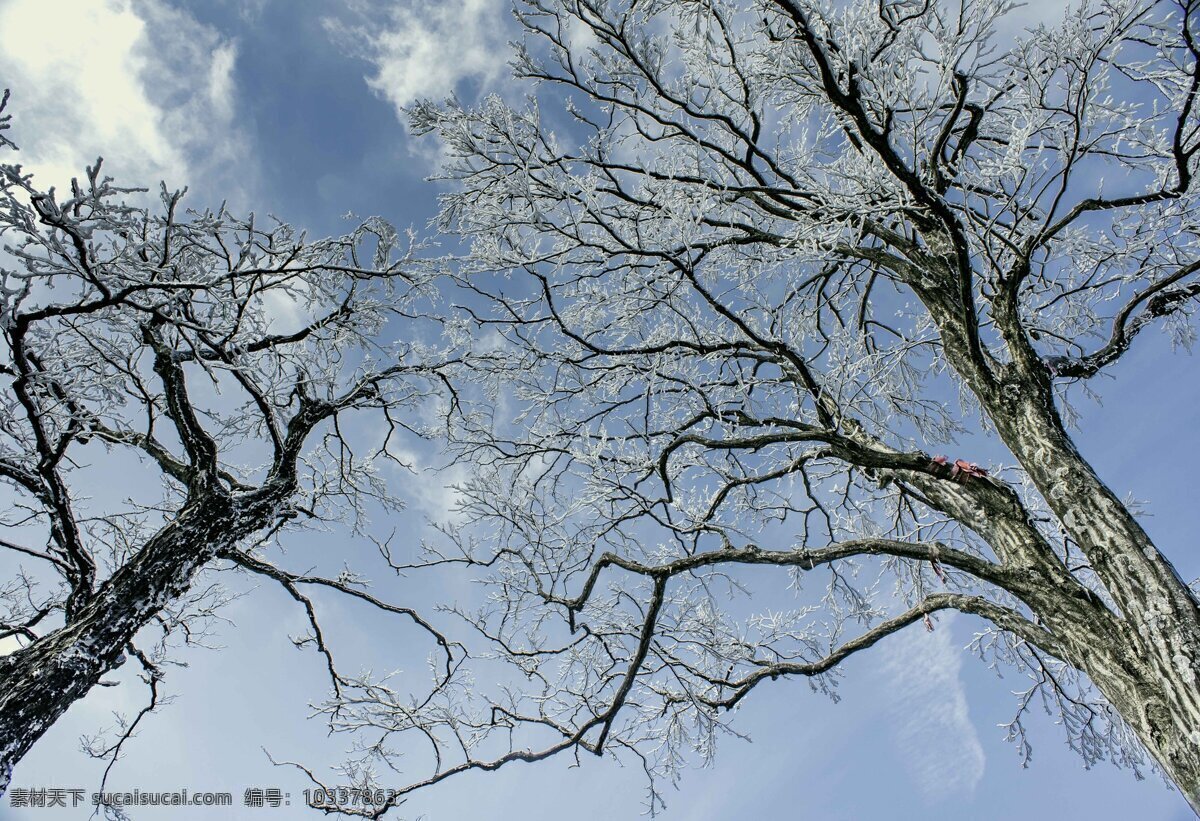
x: 937, y: 569
x: 963, y: 471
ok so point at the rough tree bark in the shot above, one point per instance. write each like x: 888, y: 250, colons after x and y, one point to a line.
x: 1149, y: 672
x: 40, y: 681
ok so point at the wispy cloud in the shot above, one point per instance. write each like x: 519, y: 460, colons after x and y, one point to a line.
x: 931, y: 727
x: 433, y: 492
x: 143, y: 84
x: 425, y: 49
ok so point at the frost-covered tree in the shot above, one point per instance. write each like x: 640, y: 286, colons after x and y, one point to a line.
x: 203, y: 366
x: 740, y: 270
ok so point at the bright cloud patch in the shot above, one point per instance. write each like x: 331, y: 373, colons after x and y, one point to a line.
x: 143, y: 85
x: 931, y: 728
x: 9, y: 644
x: 425, y: 49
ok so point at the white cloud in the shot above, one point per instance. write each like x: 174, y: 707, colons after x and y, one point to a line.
x: 930, y: 725
x: 433, y: 492
x: 1015, y: 24
x: 425, y: 49
x: 10, y: 644
x: 144, y: 85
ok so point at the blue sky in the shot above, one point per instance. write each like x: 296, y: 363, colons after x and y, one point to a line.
x: 291, y: 108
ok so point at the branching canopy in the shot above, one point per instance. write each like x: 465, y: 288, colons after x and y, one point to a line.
x: 765, y: 262
x: 177, y: 387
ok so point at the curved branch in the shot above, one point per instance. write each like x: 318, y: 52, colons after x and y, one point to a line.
x: 804, y: 559
x: 1160, y: 300
x: 291, y: 580
x: 1002, y: 617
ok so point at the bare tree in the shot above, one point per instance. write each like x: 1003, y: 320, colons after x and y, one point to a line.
x: 742, y: 270
x: 225, y: 355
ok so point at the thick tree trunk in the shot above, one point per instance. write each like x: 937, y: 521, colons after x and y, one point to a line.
x: 1153, y: 680
x: 39, y: 682
x: 1166, y: 723
x: 1150, y: 674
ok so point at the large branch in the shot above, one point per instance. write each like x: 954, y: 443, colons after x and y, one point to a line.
x: 50, y: 488
x: 1160, y: 300
x: 1002, y: 617
x: 576, y: 737
x: 27, y: 479
x: 805, y: 559
x: 954, y: 308
x: 291, y: 581
x: 199, y: 445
